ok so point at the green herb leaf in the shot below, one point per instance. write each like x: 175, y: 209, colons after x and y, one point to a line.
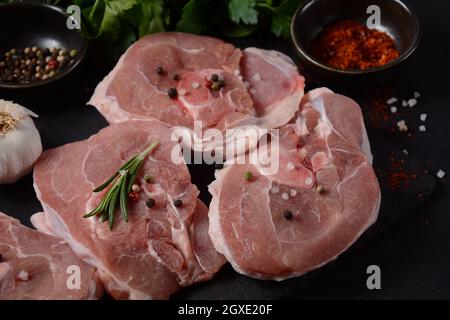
x: 111, y: 24
x: 243, y: 10
x: 282, y: 15
x: 124, y: 179
x: 152, y: 19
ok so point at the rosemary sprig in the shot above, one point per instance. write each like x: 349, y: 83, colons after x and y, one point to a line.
x: 123, y: 179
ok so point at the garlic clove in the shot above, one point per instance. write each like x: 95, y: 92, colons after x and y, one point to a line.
x: 20, y: 142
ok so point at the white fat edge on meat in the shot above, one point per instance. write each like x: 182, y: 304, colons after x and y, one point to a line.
x: 215, y: 231
x: 133, y: 294
x: 108, y: 105
x: 275, y: 58
x: 52, y: 224
x: 365, y: 144
x: 205, y: 269
x: 281, y: 112
x: 194, y: 51
x: 4, y: 270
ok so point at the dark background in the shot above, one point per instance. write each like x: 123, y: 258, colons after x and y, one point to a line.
x: 413, y: 253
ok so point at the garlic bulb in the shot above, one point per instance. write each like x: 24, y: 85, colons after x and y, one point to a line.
x: 20, y: 142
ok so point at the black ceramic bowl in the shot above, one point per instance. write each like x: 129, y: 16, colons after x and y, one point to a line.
x: 25, y: 24
x: 397, y: 19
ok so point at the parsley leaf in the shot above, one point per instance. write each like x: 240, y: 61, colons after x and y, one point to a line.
x: 111, y: 23
x: 281, y: 21
x: 243, y: 10
x: 152, y: 19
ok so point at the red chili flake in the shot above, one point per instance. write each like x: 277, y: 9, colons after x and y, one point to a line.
x: 134, y: 196
x: 350, y: 45
x: 209, y: 84
x: 397, y: 177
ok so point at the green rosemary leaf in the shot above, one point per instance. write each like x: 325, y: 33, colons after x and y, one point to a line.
x: 112, y: 205
x: 124, y: 179
x: 138, y: 164
x: 111, y: 179
x: 123, y: 198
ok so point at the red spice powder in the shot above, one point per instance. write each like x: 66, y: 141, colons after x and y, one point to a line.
x: 350, y: 45
x: 397, y: 176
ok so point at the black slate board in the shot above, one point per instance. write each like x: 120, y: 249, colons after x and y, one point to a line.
x: 64, y: 118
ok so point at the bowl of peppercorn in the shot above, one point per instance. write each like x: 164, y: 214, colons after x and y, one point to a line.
x: 36, y: 46
x: 354, y: 39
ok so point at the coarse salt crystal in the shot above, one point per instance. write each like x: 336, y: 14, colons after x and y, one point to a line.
x: 423, y: 117
x: 195, y: 85
x: 256, y: 77
x: 247, y: 84
x: 412, y: 102
x: 237, y: 72
x: 285, y: 196
x: 252, y: 91
x: 423, y: 128
x: 275, y: 189
x: 393, y: 109
x: 293, y: 192
x: 308, y: 181
x: 290, y: 166
x: 404, y: 103
x: 416, y: 95
x: 405, y: 151
x: 22, y: 275
x: 402, y: 126
x: 392, y: 100
x: 181, y: 92
x: 441, y: 174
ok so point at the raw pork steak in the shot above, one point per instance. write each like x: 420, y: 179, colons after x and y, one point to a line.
x: 323, y: 197
x: 160, y: 248
x: 258, y: 83
x: 34, y: 265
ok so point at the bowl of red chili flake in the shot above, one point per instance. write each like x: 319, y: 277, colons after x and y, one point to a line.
x: 354, y: 37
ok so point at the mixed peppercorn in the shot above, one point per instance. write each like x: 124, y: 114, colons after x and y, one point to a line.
x: 31, y: 64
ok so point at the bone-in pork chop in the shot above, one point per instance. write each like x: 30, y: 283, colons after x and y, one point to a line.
x: 276, y: 225
x: 180, y: 78
x: 163, y: 246
x: 37, y: 266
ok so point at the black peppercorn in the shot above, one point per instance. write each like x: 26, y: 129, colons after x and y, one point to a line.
x: 159, y: 70
x: 214, y: 78
x: 150, y: 203
x: 176, y: 77
x: 288, y: 215
x: 178, y: 203
x: 172, y: 92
